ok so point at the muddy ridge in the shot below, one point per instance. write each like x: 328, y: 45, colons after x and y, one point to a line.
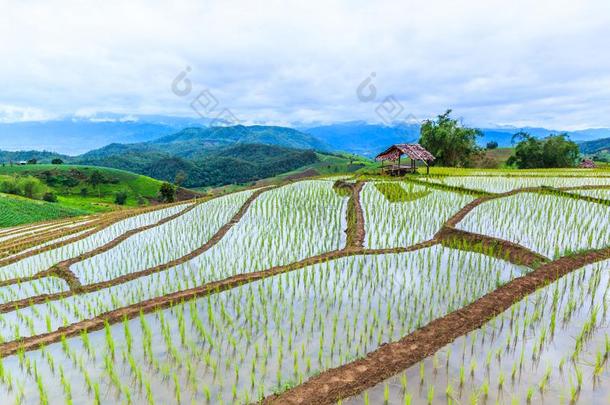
x: 107, y: 221
x: 502, y: 249
x: 62, y: 269
x: 151, y: 305
x: 20, y: 244
x: 380, y: 364
x: 355, y: 219
x: 389, y: 359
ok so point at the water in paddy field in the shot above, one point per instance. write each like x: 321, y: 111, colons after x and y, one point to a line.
x: 252, y: 340
x: 510, y: 360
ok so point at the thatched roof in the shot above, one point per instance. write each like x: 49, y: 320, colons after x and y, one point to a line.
x: 413, y: 150
x: 587, y: 164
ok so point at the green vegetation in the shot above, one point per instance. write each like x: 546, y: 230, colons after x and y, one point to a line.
x: 549, y: 152
x: 168, y: 192
x: 450, y: 142
x: 18, y: 210
x: 308, y: 277
x: 596, y: 146
x: 602, y: 157
x: 87, y: 189
x: 26, y: 186
x: 325, y: 165
x: 394, y: 192
x: 234, y: 164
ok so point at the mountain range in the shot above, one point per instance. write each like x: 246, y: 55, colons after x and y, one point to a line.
x: 78, y: 135
x: 211, y: 156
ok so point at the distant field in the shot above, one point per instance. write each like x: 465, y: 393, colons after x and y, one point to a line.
x: 16, y: 211
x: 97, y: 198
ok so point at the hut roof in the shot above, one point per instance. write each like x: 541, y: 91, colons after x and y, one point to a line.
x: 413, y: 150
x: 587, y: 164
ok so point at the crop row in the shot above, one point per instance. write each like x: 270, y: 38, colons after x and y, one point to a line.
x: 246, y: 342
x: 552, y: 347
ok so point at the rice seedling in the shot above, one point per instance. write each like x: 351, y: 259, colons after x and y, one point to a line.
x: 390, y: 224
x: 569, y: 225
x: 267, y: 336
x: 502, y: 184
x: 577, y: 300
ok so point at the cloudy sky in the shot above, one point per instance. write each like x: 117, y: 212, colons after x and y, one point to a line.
x: 494, y: 62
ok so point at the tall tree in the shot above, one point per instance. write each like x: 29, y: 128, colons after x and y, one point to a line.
x: 96, y: 179
x: 552, y: 151
x: 181, y: 177
x: 167, y: 192
x: 450, y: 142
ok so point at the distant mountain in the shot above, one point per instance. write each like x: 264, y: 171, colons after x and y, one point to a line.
x: 77, y: 135
x: 362, y: 138
x: 212, y: 156
x: 237, y: 163
x: 368, y: 139
x: 208, y: 156
x: 42, y: 157
x: 195, y: 143
x: 598, y: 145
x: 74, y: 135
x: 503, y: 135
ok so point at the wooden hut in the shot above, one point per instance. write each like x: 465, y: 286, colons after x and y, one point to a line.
x: 413, y: 151
x: 587, y: 164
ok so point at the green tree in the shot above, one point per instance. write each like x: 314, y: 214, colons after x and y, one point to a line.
x: 552, y: 151
x: 528, y: 152
x: 449, y: 142
x: 181, y: 177
x: 492, y: 145
x: 30, y: 187
x: 167, y: 192
x: 120, y: 198
x: 96, y: 179
x: 57, y: 162
x: 50, y: 197
x: 559, y: 151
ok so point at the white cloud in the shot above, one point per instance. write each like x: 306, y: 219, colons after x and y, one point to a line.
x: 11, y: 113
x: 540, y: 63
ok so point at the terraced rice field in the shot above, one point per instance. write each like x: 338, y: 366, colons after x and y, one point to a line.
x: 458, y: 290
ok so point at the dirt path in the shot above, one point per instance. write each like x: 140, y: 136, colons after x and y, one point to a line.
x: 355, y: 219
x: 151, y: 305
x: 62, y: 269
x: 575, y: 196
x: 107, y: 221
x: 390, y: 359
x: 602, y: 187
x: 502, y: 249
x: 19, y: 244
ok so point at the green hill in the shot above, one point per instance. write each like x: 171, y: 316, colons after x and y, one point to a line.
x: 236, y: 163
x: 74, y: 188
x: 18, y: 210
x: 598, y: 145
x: 197, y: 143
